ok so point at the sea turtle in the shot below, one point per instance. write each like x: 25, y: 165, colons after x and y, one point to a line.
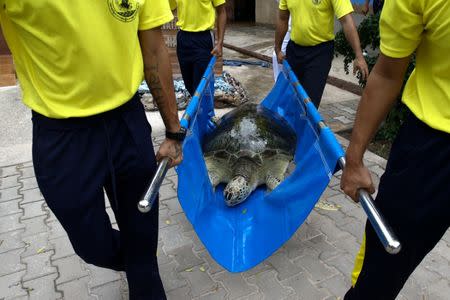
x: 250, y: 146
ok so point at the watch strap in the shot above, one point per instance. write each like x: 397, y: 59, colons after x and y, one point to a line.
x: 177, y: 136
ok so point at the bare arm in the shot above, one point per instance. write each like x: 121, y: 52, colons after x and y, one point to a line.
x: 380, y: 94
x: 158, y: 74
x: 280, y: 32
x: 221, y: 24
x: 352, y: 37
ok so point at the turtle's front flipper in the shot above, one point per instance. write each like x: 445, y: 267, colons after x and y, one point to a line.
x: 272, y: 182
x: 214, y: 178
x: 217, y: 170
x: 275, y: 170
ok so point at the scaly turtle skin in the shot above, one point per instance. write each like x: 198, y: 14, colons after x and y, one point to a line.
x: 250, y: 146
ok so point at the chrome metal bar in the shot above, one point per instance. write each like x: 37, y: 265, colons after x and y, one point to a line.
x: 146, y: 203
x: 384, y: 232
x: 387, y: 237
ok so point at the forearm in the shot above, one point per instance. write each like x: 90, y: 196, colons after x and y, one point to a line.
x: 281, y: 29
x: 351, y: 34
x: 158, y: 74
x: 159, y: 78
x: 221, y: 23
x: 380, y: 94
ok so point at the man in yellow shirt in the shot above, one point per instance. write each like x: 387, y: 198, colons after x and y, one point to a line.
x: 414, y: 191
x: 195, y: 40
x: 311, y: 48
x: 80, y: 64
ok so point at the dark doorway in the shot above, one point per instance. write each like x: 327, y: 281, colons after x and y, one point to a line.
x: 244, y: 10
x: 3, y: 47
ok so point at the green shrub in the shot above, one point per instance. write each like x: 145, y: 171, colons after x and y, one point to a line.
x: 369, y: 35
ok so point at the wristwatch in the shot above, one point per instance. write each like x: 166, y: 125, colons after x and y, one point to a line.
x: 177, y: 136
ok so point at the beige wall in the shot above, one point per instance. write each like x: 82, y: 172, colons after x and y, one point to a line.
x: 265, y: 11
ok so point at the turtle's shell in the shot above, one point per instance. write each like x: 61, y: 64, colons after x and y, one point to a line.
x: 251, y: 131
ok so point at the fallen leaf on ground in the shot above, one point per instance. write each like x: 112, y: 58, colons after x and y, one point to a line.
x: 324, y: 205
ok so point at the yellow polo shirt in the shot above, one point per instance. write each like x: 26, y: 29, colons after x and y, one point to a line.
x: 78, y: 58
x: 196, y: 15
x: 421, y: 26
x: 313, y: 20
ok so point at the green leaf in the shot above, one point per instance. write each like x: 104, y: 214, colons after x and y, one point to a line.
x: 369, y: 35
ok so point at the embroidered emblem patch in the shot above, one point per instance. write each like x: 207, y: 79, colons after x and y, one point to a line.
x: 124, y: 10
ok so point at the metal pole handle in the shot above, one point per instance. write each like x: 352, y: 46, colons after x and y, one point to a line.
x: 146, y: 203
x: 387, y: 237
x: 384, y: 232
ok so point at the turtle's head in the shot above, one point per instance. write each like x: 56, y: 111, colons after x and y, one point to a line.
x: 237, y: 190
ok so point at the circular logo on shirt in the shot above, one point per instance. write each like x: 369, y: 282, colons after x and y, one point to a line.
x: 124, y: 10
x: 316, y: 2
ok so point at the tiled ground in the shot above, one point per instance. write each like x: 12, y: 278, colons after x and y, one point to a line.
x: 38, y: 262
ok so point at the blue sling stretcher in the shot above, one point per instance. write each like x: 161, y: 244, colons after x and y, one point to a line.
x: 241, y: 237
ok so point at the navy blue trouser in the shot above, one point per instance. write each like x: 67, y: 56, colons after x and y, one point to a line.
x: 75, y: 161
x: 311, y: 65
x: 194, y: 53
x: 414, y: 198
x: 377, y: 6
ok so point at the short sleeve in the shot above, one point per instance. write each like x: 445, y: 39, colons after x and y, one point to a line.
x: 154, y: 13
x: 283, y: 5
x: 342, y: 7
x: 218, y: 2
x: 401, y: 28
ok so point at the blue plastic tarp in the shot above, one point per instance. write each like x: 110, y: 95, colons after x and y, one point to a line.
x: 241, y: 237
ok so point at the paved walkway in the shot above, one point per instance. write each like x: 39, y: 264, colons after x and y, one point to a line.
x: 38, y: 262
